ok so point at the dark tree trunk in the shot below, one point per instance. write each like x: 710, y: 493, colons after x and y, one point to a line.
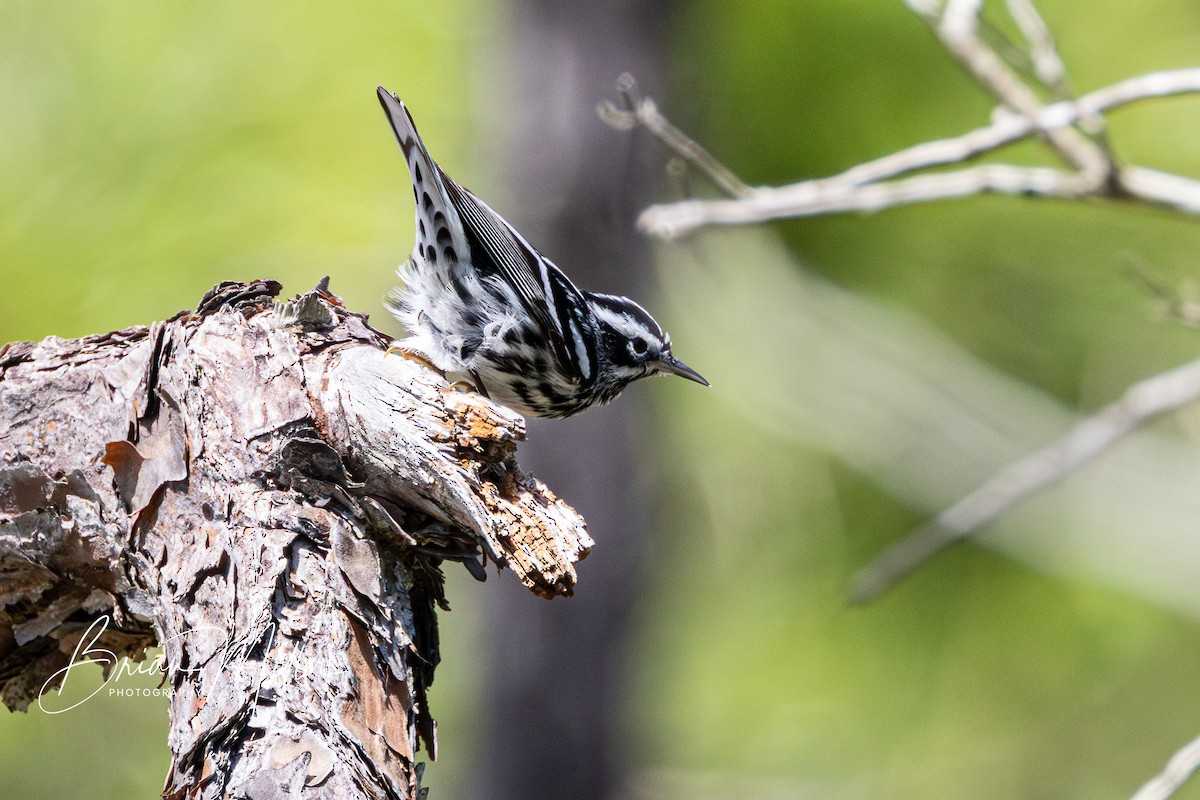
x: 556, y: 706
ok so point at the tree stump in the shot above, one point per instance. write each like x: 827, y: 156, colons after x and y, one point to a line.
x: 258, y: 490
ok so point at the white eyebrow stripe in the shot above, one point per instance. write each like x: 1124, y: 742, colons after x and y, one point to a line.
x: 623, y: 323
x: 618, y: 321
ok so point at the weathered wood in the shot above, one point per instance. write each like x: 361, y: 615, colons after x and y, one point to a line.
x: 257, y: 489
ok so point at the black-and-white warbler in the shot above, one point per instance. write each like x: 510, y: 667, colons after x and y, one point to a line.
x: 480, y: 302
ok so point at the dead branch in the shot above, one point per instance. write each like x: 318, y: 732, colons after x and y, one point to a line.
x: 1072, y: 128
x: 1180, y: 767
x: 1146, y: 400
x: 257, y: 490
x: 1074, y: 131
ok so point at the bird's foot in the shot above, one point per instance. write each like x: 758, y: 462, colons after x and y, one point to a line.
x: 413, y: 355
x: 466, y: 386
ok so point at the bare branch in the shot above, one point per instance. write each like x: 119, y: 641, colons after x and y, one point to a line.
x: 863, y: 187
x: 1074, y: 130
x: 1180, y: 767
x: 958, y: 29
x: 1160, y: 188
x: 1043, y: 52
x: 1175, y: 304
x: 644, y: 112
x: 1019, y: 480
x: 875, y: 185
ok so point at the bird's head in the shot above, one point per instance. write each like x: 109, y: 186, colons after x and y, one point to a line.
x: 631, y: 344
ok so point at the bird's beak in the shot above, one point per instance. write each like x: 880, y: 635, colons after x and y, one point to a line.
x: 673, y: 366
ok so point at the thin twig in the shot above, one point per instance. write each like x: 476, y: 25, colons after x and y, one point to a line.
x: 815, y: 199
x: 1180, y: 767
x: 1008, y: 128
x: 644, y: 112
x: 861, y: 188
x: 1074, y: 129
x: 1142, y: 402
x: 867, y: 187
x: 1043, y: 52
x: 957, y: 26
x: 1174, y: 304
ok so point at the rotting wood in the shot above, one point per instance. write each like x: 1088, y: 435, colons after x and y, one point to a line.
x: 256, y: 488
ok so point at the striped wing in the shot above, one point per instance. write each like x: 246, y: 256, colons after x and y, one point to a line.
x: 549, y: 297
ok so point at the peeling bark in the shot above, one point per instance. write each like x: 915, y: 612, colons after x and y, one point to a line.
x: 255, y: 488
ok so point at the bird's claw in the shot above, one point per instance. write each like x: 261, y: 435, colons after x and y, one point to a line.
x: 413, y: 355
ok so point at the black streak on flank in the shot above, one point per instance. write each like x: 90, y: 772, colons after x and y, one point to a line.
x: 461, y: 290
x: 430, y: 254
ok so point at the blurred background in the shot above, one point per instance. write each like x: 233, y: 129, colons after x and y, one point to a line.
x: 866, y: 371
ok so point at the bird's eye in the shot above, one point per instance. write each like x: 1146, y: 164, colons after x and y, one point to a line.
x: 639, y: 346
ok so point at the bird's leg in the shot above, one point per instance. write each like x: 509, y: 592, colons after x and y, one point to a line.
x: 477, y: 387
x: 413, y: 355
x: 420, y: 358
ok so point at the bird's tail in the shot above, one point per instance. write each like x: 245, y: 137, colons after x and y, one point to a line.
x: 425, y: 174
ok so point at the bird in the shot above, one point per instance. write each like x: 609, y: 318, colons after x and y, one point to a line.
x: 480, y: 302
